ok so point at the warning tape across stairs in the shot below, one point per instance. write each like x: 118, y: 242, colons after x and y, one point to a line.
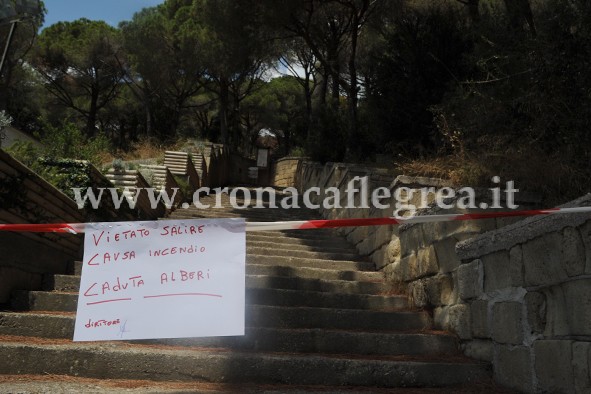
x: 75, y: 228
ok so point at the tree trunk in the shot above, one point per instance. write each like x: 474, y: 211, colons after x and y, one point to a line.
x: 92, y: 112
x: 308, y: 96
x: 224, y: 96
x: 474, y: 10
x: 519, y: 12
x: 352, y: 99
x: 148, y: 112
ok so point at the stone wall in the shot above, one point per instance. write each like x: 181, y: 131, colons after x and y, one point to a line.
x: 517, y: 292
x: 284, y: 171
x: 427, y: 264
x: 524, y: 301
x: 379, y: 243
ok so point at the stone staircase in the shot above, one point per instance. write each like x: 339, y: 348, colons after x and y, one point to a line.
x: 318, y: 319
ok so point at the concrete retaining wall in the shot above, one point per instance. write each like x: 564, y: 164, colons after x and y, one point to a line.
x: 284, y: 171
x: 25, y: 257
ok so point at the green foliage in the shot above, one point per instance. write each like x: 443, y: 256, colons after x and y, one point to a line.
x: 62, y: 148
x: 81, y: 64
x: 420, y: 56
x: 69, y: 142
x: 327, y: 137
x: 5, y: 121
x: 278, y: 106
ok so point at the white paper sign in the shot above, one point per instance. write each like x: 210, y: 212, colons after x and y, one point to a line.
x: 165, y: 279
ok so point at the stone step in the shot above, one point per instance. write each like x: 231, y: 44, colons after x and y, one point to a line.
x: 70, y: 384
x: 261, y: 315
x: 254, y: 296
x: 279, y: 238
x: 323, y: 234
x: 315, y: 273
x: 323, y: 272
x: 294, y: 262
x: 71, y: 283
x: 287, y: 261
x: 255, y: 207
x: 282, y: 244
x: 125, y: 361
x: 61, y: 326
x: 293, y: 252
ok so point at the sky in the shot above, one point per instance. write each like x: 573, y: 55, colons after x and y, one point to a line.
x: 111, y: 11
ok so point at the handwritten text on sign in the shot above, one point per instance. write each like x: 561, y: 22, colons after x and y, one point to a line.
x: 166, y: 279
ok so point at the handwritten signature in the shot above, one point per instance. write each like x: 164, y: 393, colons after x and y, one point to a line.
x: 122, y: 329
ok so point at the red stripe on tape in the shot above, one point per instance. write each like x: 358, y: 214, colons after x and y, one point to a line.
x: 38, y: 228
x: 334, y: 223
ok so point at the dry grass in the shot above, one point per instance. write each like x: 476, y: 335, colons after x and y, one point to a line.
x: 144, y: 149
x: 552, y: 177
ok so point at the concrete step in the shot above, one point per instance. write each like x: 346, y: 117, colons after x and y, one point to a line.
x: 254, y: 296
x: 61, y: 326
x: 71, y: 283
x: 258, y: 315
x: 162, y: 363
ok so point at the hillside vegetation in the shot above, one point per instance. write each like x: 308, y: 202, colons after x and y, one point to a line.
x: 462, y: 89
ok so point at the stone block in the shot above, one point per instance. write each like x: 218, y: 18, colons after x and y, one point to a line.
x: 513, y: 367
x: 516, y: 265
x: 440, y: 290
x: 479, y: 350
x: 581, y: 372
x: 573, y: 252
x: 393, y: 275
x: 507, y: 323
x: 441, y: 318
x: 364, y: 247
x: 468, y: 227
x: 542, y: 259
x: 408, y: 265
x: 469, y: 279
x: 428, y: 261
x: 382, y: 236
x: 393, y: 251
x: 423, y: 264
x: 418, y: 294
x: 411, y: 240
x: 379, y: 257
x: 556, y: 312
x: 480, y: 319
x: 446, y: 255
x: 358, y: 235
x: 585, y: 231
x: 499, y: 273
x: 433, y: 232
x: 577, y: 295
x: 459, y: 320
x: 553, y: 366
x: 536, y: 312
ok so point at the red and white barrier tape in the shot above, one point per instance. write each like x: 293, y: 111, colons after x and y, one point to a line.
x: 75, y: 228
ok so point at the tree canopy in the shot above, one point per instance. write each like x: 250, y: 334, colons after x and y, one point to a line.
x: 332, y: 79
